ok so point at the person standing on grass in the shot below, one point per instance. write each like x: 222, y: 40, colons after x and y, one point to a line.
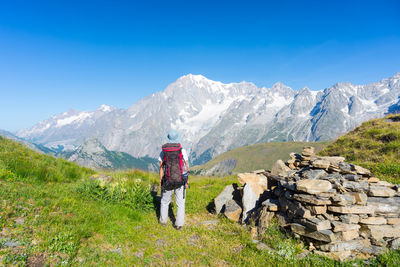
x: 173, y: 178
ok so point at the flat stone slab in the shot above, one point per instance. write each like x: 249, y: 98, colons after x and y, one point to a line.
x: 355, y: 209
x: 321, y: 164
x: 344, y: 199
x: 373, y: 220
x: 316, y: 224
x: 310, y: 199
x: 385, y: 205
x: 323, y: 235
x: 343, y: 227
x: 380, y: 191
x: 314, y: 186
x: 345, y: 246
x: 378, y: 232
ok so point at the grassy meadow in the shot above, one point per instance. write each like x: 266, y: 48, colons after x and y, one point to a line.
x: 52, y: 214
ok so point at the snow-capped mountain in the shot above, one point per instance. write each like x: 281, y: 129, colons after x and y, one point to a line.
x: 214, y: 117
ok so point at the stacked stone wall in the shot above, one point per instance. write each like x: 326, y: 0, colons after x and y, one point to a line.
x: 339, y: 209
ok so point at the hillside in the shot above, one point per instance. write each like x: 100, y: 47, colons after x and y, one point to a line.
x: 253, y: 157
x: 375, y: 145
x: 18, y: 162
x: 51, y: 214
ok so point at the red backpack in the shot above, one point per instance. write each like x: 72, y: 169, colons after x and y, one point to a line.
x: 174, y: 166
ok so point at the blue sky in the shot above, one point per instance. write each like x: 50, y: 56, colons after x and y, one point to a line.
x: 56, y: 55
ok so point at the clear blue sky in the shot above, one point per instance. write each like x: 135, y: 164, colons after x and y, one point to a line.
x: 56, y: 55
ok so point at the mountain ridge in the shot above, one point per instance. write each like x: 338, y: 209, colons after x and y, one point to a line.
x: 214, y: 117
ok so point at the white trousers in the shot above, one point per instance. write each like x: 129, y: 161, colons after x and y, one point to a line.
x: 180, y: 203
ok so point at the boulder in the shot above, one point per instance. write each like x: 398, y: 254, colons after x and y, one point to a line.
x: 280, y: 168
x: 249, y: 201
x: 257, y: 181
x: 232, y: 210
x: 223, y: 198
x: 313, y: 186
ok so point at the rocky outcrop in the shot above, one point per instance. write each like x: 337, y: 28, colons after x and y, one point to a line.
x: 339, y: 209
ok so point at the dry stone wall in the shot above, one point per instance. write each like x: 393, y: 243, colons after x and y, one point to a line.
x: 339, y: 209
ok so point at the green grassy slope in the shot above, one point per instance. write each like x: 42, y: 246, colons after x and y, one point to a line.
x: 75, y: 221
x: 375, y: 145
x: 259, y: 156
x: 18, y: 162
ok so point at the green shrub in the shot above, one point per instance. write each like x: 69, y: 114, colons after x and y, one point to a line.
x: 132, y: 193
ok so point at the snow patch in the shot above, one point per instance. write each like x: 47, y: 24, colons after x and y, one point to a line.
x: 73, y: 119
x: 105, y: 108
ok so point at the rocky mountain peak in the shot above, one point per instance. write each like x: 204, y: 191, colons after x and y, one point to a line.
x: 92, y: 145
x: 213, y: 117
x: 105, y: 108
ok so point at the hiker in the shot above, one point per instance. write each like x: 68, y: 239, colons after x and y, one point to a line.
x: 173, y: 178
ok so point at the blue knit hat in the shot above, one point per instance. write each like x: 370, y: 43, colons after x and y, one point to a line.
x: 173, y: 136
